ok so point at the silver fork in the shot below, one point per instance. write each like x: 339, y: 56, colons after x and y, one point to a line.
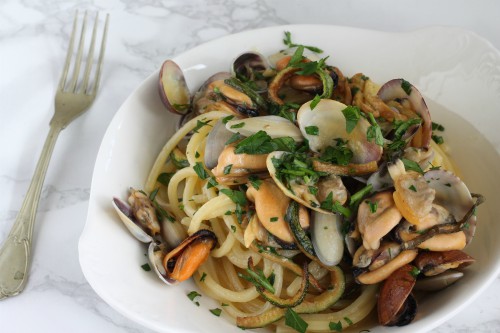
x: 72, y: 98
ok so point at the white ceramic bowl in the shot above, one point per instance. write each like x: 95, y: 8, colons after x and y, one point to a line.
x: 458, y: 72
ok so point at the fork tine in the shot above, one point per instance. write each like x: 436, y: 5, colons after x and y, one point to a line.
x: 64, y: 75
x: 101, y: 56
x: 78, y: 62
x: 90, y: 56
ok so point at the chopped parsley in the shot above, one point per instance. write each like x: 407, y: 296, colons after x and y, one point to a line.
x: 352, y: 115
x: 164, y: 178
x: 348, y: 321
x: 414, y: 272
x: 227, y: 169
x: 412, y: 165
x: 212, y: 182
x: 374, y: 133
x: 258, y: 279
x: 179, y: 163
x: 255, y: 181
x: 335, y: 326
x: 293, y: 320
x: 146, y: 267
x: 312, y: 130
x: 373, y: 206
x: 335, y: 207
x: 192, y: 295
x: 406, y: 86
x: 236, y: 196
x: 235, y: 137
x: 203, y: 276
x: 358, y: 196
x: 438, y: 128
x: 340, y: 154
x: 288, y: 42
x: 200, y: 124
x: 273, y: 219
x: 262, y: 143
x: 200, y: 170
x: 216, y: 312
x: 413, y: 188
x: 315, y: 101
x: 226, y: 119
x: 313, y: 190
x: 238, y: 125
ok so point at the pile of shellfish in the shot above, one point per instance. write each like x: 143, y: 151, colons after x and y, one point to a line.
x: 410, y: 222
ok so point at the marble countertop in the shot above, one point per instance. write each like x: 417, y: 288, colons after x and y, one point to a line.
x: 33, y: 40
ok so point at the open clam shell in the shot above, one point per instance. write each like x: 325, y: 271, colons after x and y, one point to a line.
x: 452, y: 194
x: 327, y: 238
x: 329, y: 125
x: 156, y: 254
x: 173, y: 89
x: 127, y: 217
x: 399, y: 89
x: 438, y: 282
x: 274, y: 126
x: 306, y: 199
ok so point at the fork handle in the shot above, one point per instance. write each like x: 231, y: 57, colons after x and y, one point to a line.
x: 15, y: 254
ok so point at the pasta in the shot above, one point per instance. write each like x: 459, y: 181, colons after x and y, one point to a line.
x: 297, y: 195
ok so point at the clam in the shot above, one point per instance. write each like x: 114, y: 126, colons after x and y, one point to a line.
x: 274, y: 126
x: 250, y: 66
x: 216, y: 142
x: 187, y: 253
x: 295, y: 191
x: 156, y: 253
x: 381, y: 179
x: 327, y: 238
x: 204, y: 97
x: 438, y: 282
x: 173, y: 89
x: 139, y: 217
x: 396, y: 306
x: 330, y: 126
x: 401, y: 91
x: 432, y: 263
x: 452, y: 194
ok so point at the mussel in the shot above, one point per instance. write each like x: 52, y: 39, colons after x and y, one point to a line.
x: 173, y: 256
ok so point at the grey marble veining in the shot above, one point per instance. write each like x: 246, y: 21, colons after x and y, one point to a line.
x: 33, y: 39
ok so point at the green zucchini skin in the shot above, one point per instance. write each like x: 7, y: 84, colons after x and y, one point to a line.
x: 303, y: 241
x: 317, y: 304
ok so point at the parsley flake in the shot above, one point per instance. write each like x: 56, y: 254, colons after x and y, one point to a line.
x: 288, y: 42
x: 216, y: 312
x: 227, y: 169
x: 315, y: 101
x: 335, y: 326
x: 293, y: 320
x: 406, y: 86
x: 200, y: 170
x: 312, y: 130
x: 238, y: 125
x: 352, y: 115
